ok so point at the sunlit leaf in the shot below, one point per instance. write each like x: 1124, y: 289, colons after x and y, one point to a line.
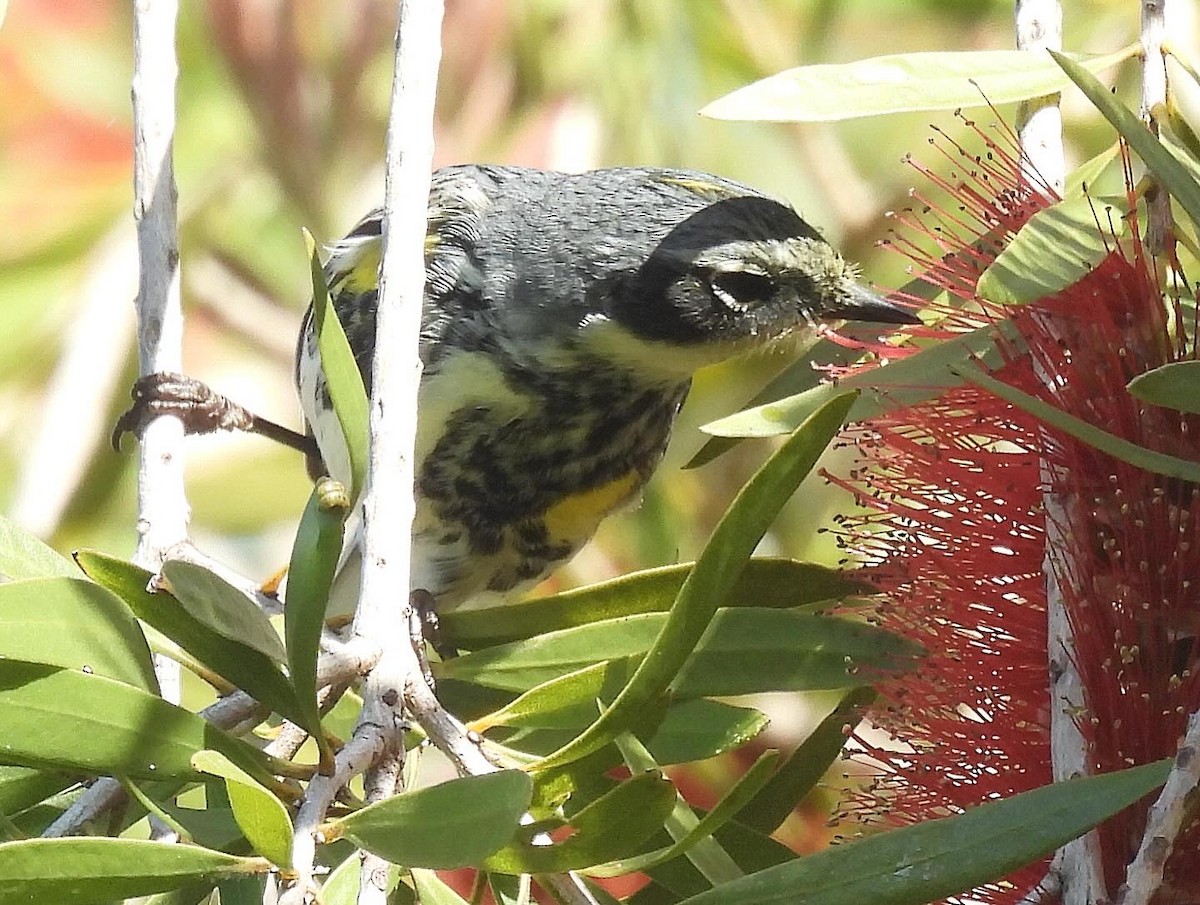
x: 765, y: 582
x: 746, y: 650
x: 347, y: 392
x: 928, y: 861
x: 223, y: 608
x: 115, y: 728
x: 454, y: 824
x: 612, y: 826
x: 1056, y: 248
x: 86, y: 869
x: 192, y: 627
x: 261, y: 816
x: 902, y: 83
x: 315, y: 553
x: 1174, y: 386
x: 24, y: 556
x: 74, y: 623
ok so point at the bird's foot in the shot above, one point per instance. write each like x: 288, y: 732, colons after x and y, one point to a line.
x: 201, y: 409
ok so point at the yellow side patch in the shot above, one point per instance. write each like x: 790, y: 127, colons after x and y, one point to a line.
x: 578, y: 515
x: 364, y: 275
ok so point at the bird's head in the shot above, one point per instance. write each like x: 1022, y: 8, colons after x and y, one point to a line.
x: 739, y: 274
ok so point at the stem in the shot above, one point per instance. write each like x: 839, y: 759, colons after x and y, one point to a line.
x: 1154, y: 98
x: 1039, y: 121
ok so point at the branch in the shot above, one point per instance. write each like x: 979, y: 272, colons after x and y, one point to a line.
x: 162, y: 504
x: 1039, y: 121
x: 1164, y: 822
x: 1154, y: 97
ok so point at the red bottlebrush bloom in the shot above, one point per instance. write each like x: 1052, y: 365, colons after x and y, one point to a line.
x: 955, y: 492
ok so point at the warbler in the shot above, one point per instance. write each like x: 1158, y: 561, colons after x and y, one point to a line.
x: 564, y: 317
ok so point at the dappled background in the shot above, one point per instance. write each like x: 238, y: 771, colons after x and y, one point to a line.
x: 282, y: 106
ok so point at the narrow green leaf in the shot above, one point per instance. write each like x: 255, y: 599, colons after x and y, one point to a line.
x: 127, y: 731
x: 346, y: 388
x: 87, y: 870
x: 903, y: 382
x: 192, y: 629
x: 748, y: 785
x: 24, y: 556
x: 903, y: 83
x: 74, y: 623
x: 802, y: 770
x: 1117, y: 447
x: 1056, y: 248
x: 700, y: 729
x: 1083, y: 178
x: 612, y: 826
x: 261, y: 816
x: 23, y: 787
x: 432, y: 890
x: 746, y: 650
x: 315, y: 554
x: 766, y: 581
x: 938, y: 858
x: 1170, y: 172
x: 454, y: 824
x: 1174, y: 386
x: 713, y: 577
x: 223, y: 608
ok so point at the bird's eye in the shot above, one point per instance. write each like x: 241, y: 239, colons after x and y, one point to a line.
x: 742, y: 289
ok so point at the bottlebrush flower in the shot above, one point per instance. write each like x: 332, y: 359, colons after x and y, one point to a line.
x: 954, y: 492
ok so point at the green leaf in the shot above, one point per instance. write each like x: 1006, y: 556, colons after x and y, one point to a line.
x: 192, y: 628
x: 804, y: 373
x: 745, y: 651
x: 346, y: 388
x: 87, y: 870
x: 315, y: 554
x: 24, y: 556
x: 903, y: 83
x: 766, y: 581
x: 1174, y: 386
x: 938, y: 858
x: 23, y: 787
x: 748, y: 785
x: 700, y: 729
x: 802, y: 770
x: 1110, y: 444
x: 713, y: 578
x: 1081, y: 180
x: 261, y: 817
x: 432, y: 890
x: 126, y: 731
x: 341, y: 886
x: 1056, y: 248
x: 223, y: 608
x: 77, y: 624
x: 903, y: 382
x: 612, y: 826
x: 454, y: 824
x: 1170, y: 172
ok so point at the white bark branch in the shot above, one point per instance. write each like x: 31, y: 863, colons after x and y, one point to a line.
x: 1154, y: 95
x: 1039, y: 121
x: 162, y: 504
x: 1165, y: 821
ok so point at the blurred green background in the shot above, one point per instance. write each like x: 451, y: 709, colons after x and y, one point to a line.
x: 282, y: 105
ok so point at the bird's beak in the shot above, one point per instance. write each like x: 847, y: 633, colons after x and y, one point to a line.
x: 859, y: 304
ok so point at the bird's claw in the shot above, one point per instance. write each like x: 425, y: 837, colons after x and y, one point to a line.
x: 200, y: 408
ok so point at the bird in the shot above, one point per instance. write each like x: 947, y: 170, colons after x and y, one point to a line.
x: 564, y: 317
